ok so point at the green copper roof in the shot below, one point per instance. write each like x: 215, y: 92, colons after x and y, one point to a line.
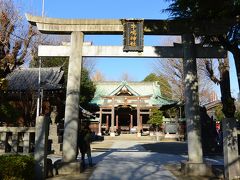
x: 124, y: 85
x: 151, y: 89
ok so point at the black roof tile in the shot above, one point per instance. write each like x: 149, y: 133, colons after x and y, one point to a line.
x: 27, y: 79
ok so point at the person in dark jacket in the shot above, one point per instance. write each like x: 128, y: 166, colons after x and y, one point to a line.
x: 84, y: 141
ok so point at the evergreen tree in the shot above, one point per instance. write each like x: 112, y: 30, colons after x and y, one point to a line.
x: 87, y: 89
x: 156, y: 118
x: 165, y: 87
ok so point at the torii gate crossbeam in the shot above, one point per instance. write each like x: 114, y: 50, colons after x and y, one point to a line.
x: 117, y: 51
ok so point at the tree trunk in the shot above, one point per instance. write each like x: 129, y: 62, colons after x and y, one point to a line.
x: 234, y: 49
x: 227, y: 100
x: 236, y: 56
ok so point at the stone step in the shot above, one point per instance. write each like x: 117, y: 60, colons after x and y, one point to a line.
x: 129, y: 137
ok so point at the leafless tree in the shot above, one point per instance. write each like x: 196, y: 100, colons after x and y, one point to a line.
x: 172, y: 70
x: 90, y: 65
x: 224, y: 81
x: 98, y: 77
x: 15, y: 38
x: 126, y: 77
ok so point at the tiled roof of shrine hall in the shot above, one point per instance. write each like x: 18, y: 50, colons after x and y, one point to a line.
x: 27, y: 79
x: 151, y: 89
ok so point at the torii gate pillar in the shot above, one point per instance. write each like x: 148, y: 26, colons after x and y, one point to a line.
x: 72, y: 99
x: 195, y: 165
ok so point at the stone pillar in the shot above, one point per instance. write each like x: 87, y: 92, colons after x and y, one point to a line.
x: 26, y: 143
x: 230, y: 148
x: 72, y: 98
x: 112, y: 133
x: 3, y: 142
x: 191, y: 100
x: 40, y: 152
x: 54, y: 137
x: 100, y: 123
x: 195, y: 165
x: 14, y: 145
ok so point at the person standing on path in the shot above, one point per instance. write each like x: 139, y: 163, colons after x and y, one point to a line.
x: 84, y: 141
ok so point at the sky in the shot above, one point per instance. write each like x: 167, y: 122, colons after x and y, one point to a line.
x: 113, y: 68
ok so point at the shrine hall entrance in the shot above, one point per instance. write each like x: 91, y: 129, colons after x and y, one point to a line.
x: 125, y: 121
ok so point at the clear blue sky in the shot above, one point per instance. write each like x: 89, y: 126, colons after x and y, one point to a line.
x: 112, y: 68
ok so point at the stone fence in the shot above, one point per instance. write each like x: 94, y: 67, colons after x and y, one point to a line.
x: 22, y: 139
x: 17, y: 139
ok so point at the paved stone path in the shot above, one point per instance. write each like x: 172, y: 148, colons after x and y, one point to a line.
x: 129, y: 160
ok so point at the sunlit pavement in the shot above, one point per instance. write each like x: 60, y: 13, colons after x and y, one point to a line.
x: 125, y: 160
x: 129, y: 160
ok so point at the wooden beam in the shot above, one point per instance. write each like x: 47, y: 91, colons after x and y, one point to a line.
x: 106, y: 112
x: 117, y: 104
x: 127, y: 97
x: 145, y: 112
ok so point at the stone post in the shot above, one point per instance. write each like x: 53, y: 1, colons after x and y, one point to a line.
x: 14, y: 147
x: 26, y: 142
x: 54, y: 137
x: 195, y: 165
x: 3, y: 142
x: 72, y: 99
x: 40, y: 152
x: 230, y: 148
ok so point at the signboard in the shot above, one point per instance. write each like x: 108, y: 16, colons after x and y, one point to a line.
x: 133, y: 35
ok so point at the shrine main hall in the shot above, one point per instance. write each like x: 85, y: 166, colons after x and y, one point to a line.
x: 126, y: 106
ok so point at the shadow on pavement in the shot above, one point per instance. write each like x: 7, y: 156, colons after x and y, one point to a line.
x: 177, y: 148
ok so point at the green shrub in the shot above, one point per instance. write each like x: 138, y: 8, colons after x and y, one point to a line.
x: 16, y: 167
x: 156, y: 118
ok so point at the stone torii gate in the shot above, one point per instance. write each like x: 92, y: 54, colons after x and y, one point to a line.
x: 188, y: 50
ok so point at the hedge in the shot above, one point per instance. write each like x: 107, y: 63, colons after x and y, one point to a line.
x: 16, y: 167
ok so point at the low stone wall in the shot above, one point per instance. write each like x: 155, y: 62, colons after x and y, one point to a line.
x: 22, y: 140
x: 17, y: 139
